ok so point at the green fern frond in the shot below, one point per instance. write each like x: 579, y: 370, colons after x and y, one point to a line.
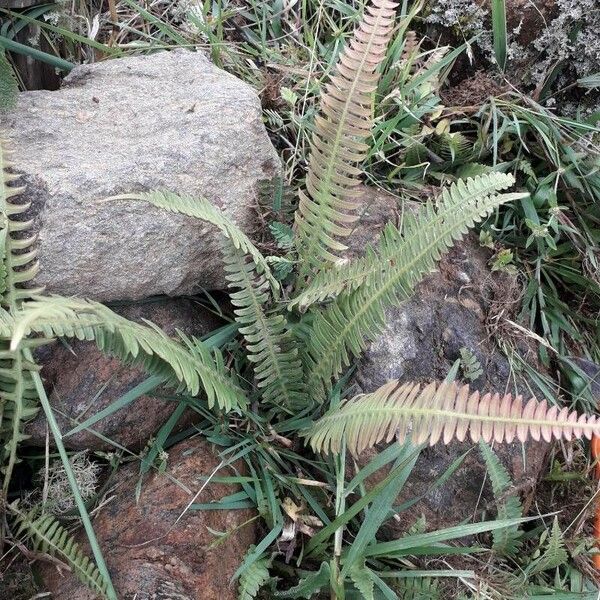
x: 426, y: 235
x: 254, y: 577
x: 423, y: 588
x: 339, y: 146
x: 283, y: 234
x: 507, y: 540
x: 187, y: 365
x: 9, y: 88
x: 470, y: 365
x: 48, y: 536
x: 18, y: 266
x: 342, y: 330
x: 270, y: 345
x: 202, y: 209
x: 442, y: 412
x: 452, y: 146
x: 362, y: 580
x: 555, y: 553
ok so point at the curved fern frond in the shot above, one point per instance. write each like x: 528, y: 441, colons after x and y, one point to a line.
x: 186, y: 364
x: 18, y: 266
x: 343, y: 329
x: 47, y: 535
x: 270, y: 345
x: 338, y: 146
x: 202, y: 209
x: 443, y: 412
x: 427, y: 232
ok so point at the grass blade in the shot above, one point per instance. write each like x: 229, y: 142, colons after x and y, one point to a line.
x: 499, y: 31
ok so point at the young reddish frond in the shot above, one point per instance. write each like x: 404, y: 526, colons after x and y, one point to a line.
x: 327, y: 209
x: 443, y: 412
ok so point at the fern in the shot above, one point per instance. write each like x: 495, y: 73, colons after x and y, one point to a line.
x: 342, y: 330
x: 309, y: 585
x: 338, y: 145
x: 47, y: 535
x: 506, y: 540
x: 423, y: 588
x: 362, y: 580
x: 188, y: 365
x: 443, y: 412
x: 283, y: 234
x: 17, y: 394
x: 469, y: 364
x: 202, y: 209
x: 270, y: 346
x: 425, y: 236
x: 253, y: 578
x: 555, y: 553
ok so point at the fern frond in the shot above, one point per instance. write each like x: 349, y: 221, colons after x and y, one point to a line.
x: 444, y: 412
x: 283, y: 234
x: 18, y: 266
x: 254, y: 577
x: 202, y: 209
x: 362, y: 580
x: 343, y: 329
x: 187, y: 365
x: 555, y: 553
x: 338, y: 146
x: 507, y: 540
x: 47, y: 535
x: 426, y: 235
x: 18, y: 254
x: 270, y: 345
x: 424, y: 588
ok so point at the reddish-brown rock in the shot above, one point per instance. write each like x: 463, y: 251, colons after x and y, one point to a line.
x: 152, y: 555
x: 81, y: 381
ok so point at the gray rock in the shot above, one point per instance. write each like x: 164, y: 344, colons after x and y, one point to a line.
x: 452, y: 309
x: 170, y: 121
x: 81, y: 381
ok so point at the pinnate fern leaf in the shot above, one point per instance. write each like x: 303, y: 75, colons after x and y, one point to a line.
x: 202, y: 209
x: 18, y: 398
x: 254, y: 577
x: 426, y: 235
x: 327, y: 208
x: 507, y: 540
x: 47, y: 535
x: 443, y: 412
x: 342, y: 329
x: 270, y: 345
x: 186, y: 364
